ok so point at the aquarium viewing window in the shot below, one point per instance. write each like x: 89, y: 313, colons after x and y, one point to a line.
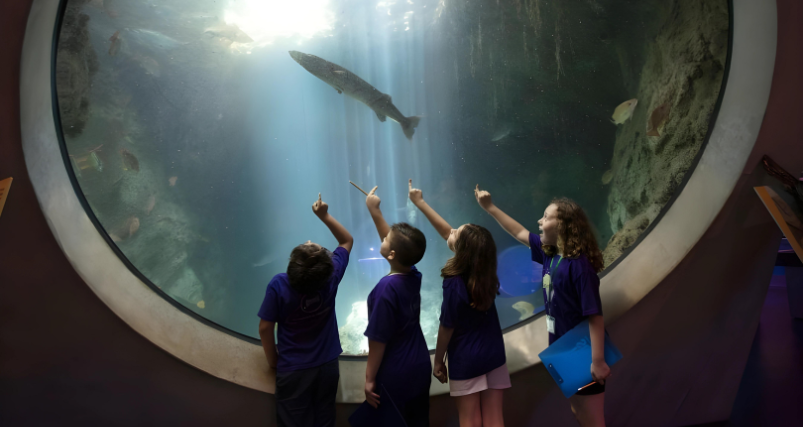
x: 198, y: 142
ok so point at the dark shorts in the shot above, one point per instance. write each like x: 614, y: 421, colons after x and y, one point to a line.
x: 416, y: 410
x: 591, y: 390
x: 306, y: 398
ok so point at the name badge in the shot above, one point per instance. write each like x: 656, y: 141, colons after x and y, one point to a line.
x: 550, y: 324
x: 547, y: 280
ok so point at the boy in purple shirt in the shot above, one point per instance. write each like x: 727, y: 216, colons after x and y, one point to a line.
x: 302, y: 303
x: 571, y: 259
x: 398, y: 357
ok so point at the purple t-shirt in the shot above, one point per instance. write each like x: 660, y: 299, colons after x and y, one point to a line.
x: 477, y: 346
x: 394, y: 308
x: 307, y: 333
x: 575, y: 288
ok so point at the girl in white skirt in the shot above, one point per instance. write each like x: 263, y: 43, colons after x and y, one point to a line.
x: 469, y: 332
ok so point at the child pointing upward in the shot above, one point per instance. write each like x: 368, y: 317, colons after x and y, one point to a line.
x: 398, y: 357
x: 571, y: 259
x: 469, y: 333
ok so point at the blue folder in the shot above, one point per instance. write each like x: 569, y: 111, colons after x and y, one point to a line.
x: 386, y: 415
x: 568, y: 359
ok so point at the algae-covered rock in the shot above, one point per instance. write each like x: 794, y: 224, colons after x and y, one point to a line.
x: 684, y: 68
x: 629, y: 233
x: 76, y: 64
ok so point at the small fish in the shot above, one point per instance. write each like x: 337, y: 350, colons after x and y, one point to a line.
x: 624, y: 111
x: 231, y: 33
x: 151, y: 204
x: 524, y: 308
x: 116, y: 41
x: 607, y: 177
x: 133, y: 225
x: 75, y: 166
x: 265, y: 260
x: 658, y: 119
x: 125, y: 231
x: 500, y: 134
x: 130, y: 161
x: 95, y: 161
x: 201, y: 304
x: 172, y: 180
x: 149, y: 65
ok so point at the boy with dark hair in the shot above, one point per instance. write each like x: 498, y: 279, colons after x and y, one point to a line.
x: 302, y: 302
x: 398, y: 358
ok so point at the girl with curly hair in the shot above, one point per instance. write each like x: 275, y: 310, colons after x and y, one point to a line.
x: 571, y: 259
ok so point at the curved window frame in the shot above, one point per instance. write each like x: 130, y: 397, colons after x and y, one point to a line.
x: 733, y: 128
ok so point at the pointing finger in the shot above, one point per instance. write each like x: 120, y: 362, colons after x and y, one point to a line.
x: 477, y: 189
x: 373, y: 190
x: 319, y: 197
x: 410, y: 184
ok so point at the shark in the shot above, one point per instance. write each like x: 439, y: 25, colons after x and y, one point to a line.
x: 346, y: 82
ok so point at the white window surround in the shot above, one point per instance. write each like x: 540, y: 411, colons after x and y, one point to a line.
x: 225, y: 356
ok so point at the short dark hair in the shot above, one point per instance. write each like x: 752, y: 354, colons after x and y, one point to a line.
x: 408, y: 242
x: 310, y: 268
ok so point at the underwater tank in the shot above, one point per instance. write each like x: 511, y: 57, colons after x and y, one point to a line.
x: 199, y: 143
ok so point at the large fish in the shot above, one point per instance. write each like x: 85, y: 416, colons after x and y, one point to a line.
x: 344, y: 81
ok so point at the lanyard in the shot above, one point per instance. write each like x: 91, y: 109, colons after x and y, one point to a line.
x: 551, y: 274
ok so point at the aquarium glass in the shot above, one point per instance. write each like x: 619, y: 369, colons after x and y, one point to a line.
x: 200, y: 142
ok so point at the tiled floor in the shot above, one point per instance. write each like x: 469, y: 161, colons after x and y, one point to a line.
x: 771, y: 392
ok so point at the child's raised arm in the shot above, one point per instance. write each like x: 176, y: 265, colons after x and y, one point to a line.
x: 372, y: 202
x: 508, y: 224
x: 321, y: 210
x: 441, y: 226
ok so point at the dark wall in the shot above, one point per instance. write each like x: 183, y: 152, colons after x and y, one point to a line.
x: 66, y: 359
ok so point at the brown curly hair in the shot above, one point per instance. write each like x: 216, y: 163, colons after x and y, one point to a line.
x: 576, y: 233
x: 475, y: 261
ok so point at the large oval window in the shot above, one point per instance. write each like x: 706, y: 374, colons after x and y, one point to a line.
x: 199, y: 141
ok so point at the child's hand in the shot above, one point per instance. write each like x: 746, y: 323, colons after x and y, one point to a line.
x: 483, y: 197
x: 372, y: 201
x: 439, y: 371
x: 370, y: 396
x: 416, y: 195
x: 600, y: 371
x: 320, y: 208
